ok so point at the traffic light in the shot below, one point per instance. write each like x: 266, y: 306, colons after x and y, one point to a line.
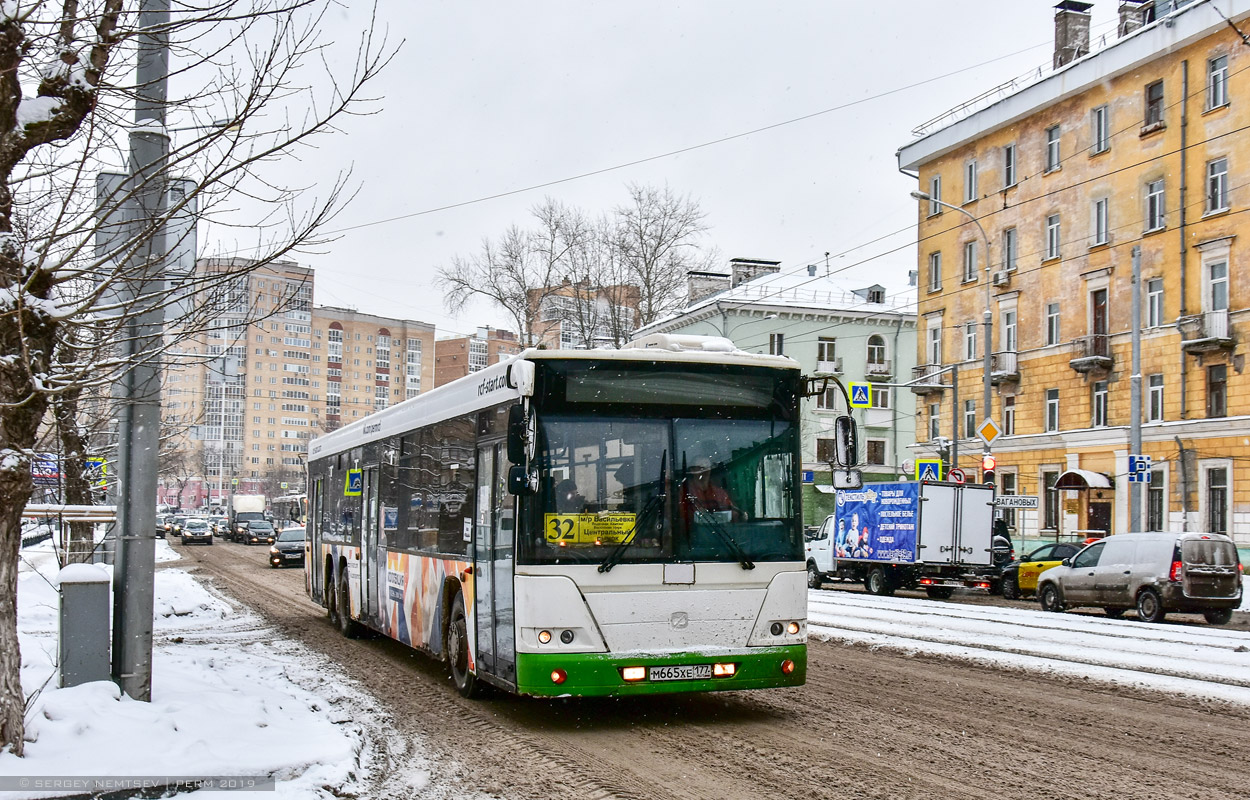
x: 988, y: 463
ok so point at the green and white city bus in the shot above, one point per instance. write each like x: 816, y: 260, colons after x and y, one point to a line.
x: 577, y: 522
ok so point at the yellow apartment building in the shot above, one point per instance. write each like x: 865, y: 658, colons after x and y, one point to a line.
x: 1142, y: 143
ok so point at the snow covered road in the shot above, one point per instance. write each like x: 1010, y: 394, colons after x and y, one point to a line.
x: 1200, y: 660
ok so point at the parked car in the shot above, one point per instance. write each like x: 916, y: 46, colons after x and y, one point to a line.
x: 197, y: 531
x: 160, y: 526
x: 259, y: 531
x: 1152, y: 572
x: 1020, y: 576
x: 288, y: 550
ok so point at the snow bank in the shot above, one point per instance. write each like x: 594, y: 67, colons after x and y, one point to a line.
x: 229, y: 697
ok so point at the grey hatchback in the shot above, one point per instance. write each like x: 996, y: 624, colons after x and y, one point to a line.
x: 1152, y: 572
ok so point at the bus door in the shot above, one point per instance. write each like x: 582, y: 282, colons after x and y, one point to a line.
x: 369, y: 545
x: 313, y: 557
x: 493, y: 553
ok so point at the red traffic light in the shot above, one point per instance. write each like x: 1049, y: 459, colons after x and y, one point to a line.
x: 988, y: 462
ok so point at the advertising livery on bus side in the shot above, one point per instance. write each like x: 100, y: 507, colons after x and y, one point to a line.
x: 577, y: 522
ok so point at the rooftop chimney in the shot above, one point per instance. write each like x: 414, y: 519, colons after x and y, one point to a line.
x: 1135, y: 14
x: 701, y: 284
x: 745, y: 269
x: 1071, y: 31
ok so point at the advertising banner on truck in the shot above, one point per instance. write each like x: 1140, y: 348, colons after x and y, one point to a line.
x: 878, y: 522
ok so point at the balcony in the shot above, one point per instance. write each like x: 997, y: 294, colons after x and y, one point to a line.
x: 1091, y: 353
x: 1004, y: 367
x: 928, y: 378
x: 1207, y: 332
x: 833, y: 367
x: 879, y: 369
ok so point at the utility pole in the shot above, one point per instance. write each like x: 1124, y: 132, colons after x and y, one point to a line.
x: 1134, y: 429
x: 140, y: 419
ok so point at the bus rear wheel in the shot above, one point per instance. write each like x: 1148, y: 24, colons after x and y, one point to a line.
x: 458, y: 650
x: 347, y: 626
x: 332, y: 613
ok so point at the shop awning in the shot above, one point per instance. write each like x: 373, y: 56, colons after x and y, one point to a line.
x: 1082, y: 479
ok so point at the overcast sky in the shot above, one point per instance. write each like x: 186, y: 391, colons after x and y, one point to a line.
x: 486, y: 98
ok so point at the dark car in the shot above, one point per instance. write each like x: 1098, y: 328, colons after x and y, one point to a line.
x: 160, y: 525
x: 1020, y: 576
x: 288, y: 550
x: 259, y: 531
x: 173, y: 525
x: 197, y: 531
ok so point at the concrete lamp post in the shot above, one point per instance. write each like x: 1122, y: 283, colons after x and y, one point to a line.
x: 925, y: 197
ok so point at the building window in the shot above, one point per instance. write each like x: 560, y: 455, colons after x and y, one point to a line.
x: 876, y: 350
x: 1010, y: 249
x: 1154, y: 403
x: 1217, y: 286
x: 935, y: 272
x: 935, y: 195
x: 1052, y: 323
x: 1217, y: 82
x: 1009, y: 331
x: 970, y: 341
x: 1007, y: 484
x: 776, y: 344
x: 1009, y: 166
x: 1155, y: 218
x: 1050, y: 501
x: 1217, y: 390
x: 1052, y: 410
x: 1217, y: 500
x: 1217, y: 185
x: 970, y: 181
x: 970, y: 418
x: 1052, y: 236
x: 1154, y: 500
x: 827, y: 354
x: 1099, y: 403
x: 1052, y: 148
x: 1102, y: 223
x: 1154, y: 104
x: 880, y: 396
x: 1009, y: 415
x: 935, y: 344
x: 1154, y: 302
x: 828, y: 400
x: 824, y: 451
x: 874, y: 452
x: 1100, y: 121
x: 970, y: 261
x: 935, y: 421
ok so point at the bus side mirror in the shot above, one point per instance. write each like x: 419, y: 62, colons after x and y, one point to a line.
x: 521, y: 481
x: 520, y: 435
x: 846, y: 442
x: 848, y: 479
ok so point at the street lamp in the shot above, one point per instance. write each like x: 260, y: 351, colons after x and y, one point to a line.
x: 925, y: 197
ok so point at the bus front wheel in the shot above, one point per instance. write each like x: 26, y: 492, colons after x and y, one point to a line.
x: 458, y: 650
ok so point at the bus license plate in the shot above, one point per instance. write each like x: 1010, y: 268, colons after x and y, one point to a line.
x: 680, y: 672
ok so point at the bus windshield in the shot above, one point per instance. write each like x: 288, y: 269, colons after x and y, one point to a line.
x: 670, y: 489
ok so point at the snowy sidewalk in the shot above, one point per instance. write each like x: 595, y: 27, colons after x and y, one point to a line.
x: 230, y: 697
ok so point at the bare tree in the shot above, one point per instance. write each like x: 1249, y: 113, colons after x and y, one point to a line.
x: 75, y: 267
x: 520, y: 270
x: 657, y: 242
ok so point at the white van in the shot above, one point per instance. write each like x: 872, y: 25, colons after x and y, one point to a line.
x: 1152, y: 572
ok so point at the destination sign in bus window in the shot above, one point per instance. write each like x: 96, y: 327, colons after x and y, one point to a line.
x: 636, y: 386
x: 589, y: 528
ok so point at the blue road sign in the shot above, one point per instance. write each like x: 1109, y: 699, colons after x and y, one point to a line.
x: 861, y: 395
x: 928, y: 469
x: 354, y: 484
x: 1139, y: 469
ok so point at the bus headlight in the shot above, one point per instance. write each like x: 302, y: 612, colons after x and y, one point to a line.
x: 634, y: 673
x: 544, y: 637
x: 566, y: 637
x: 792, y: 628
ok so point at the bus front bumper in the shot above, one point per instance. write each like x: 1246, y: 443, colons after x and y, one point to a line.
x: 599, y: 674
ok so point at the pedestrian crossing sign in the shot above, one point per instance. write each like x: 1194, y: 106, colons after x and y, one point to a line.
x: 861, y: 395
x: 354, y: 484
x: 928, y: 469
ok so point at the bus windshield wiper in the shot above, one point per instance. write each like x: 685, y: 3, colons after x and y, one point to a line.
x: 704, y: 514
x: 653, y: 505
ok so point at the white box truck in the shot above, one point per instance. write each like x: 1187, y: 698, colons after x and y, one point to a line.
x: 932, y: 535
x: 243, y: 509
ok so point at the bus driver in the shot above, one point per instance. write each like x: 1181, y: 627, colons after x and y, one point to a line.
x: 698, y: 493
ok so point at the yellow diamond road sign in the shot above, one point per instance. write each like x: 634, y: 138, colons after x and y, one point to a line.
x: 988, y: 430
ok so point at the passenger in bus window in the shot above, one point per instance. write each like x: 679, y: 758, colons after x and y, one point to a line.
x: 699, y: 493
x: 568, y: 499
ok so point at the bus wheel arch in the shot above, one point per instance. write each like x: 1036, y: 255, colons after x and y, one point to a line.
x: 458, y: 651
